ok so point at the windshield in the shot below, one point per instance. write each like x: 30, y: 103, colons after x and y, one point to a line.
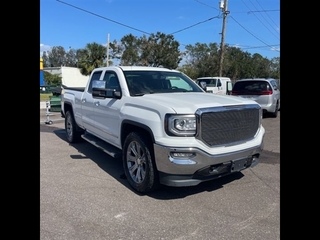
x: 147, y: 82
x: 209, y: 82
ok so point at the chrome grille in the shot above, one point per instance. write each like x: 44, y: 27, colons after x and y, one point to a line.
x: 228, y: 125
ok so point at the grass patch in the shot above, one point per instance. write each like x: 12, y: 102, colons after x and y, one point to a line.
x: 45, y: 96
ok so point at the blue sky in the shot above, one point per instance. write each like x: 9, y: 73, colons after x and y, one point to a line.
x: 252, y: 25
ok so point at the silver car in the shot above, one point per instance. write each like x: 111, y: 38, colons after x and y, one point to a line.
x: 264, y: 91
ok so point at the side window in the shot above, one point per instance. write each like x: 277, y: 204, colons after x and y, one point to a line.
x: 111, y: 81
x: 275, y: 85
x: 95, y: 76
x: 229, y: 87
x: 219, y: 83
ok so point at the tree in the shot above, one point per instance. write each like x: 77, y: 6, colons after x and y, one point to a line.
x: 204, y: 58
x: 52, y: 79
x: 189, y: 70
x: 161, y: 50
x: 57, y: 57
x: 130, y: 50
x: 275, y: 68
x: 115, y: 51
x: 54, y: 58
x: 261, y: 66
x: 156, y: 50
x: 91, y: 57
x: 71, y: 58
x: 236, y: 62
x: 45, y: 59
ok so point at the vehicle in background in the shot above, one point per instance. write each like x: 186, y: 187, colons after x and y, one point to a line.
x: 264, y: 91
x: 217, y: 85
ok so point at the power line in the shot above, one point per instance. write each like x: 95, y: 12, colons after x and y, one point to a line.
x: 267, y: 14
x: 207, y: 5
x: 251, y: 33
x: 116, y: 22
x: 108, y: 19
x: 195, y: 25
x: 103, y: 17
x: 259, y: 19
x: 252, y: 47
x: 271, y: 46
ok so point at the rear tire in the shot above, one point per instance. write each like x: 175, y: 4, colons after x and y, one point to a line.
x: 72, y: 130
x: 138, y: 163
x: 275, y: 113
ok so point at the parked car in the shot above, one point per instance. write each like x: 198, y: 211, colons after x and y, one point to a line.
x: 217, y: 85
x: 264, y: 91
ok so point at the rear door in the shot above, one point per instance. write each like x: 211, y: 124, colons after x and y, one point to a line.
x: 107, y: 111
x: 88, y: 104
x: 276, y: 91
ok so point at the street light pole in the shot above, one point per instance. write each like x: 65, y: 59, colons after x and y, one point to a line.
x: 107, y: 61
x: 225, y: 12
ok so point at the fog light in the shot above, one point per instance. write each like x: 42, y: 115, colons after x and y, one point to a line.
x: 182, y: 155
x: 183, y: 158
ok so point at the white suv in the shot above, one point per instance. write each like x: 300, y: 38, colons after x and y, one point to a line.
x: 264, y: 91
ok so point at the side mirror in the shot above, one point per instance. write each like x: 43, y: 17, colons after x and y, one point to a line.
x: 229, y: 88
x: 203, y: 85
x: 99, y: 90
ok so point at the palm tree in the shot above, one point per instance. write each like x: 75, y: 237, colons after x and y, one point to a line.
x: 91, y: 57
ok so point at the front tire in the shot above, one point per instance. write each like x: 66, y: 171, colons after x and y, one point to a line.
x: 71, y: 128
x: 138, y: 163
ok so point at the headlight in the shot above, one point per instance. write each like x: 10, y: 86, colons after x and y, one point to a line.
x: 180, y: 125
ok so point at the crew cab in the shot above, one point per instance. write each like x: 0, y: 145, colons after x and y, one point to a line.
x: 164, y: 128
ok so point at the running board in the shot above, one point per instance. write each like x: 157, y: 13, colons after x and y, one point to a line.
x: 106, y: 147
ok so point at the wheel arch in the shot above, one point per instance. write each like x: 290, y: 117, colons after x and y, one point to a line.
x: 129, y: 126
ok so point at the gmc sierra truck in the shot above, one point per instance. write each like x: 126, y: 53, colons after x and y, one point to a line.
x: 164, y: 127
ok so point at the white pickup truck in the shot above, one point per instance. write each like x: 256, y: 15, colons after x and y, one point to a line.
x: 164, y: 127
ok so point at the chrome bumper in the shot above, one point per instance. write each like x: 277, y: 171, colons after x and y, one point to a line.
x: 199, y: 166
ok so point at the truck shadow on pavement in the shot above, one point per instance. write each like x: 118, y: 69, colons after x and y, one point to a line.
x: 114, y: 168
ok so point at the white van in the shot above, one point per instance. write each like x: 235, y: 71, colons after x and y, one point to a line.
x: 217, y: 85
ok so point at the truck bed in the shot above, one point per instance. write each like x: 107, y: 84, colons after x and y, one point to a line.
x: 79, y: 89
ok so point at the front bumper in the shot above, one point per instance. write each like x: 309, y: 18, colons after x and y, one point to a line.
x: 201, y: 166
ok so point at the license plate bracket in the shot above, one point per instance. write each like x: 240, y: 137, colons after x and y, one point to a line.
x: 239, y: 164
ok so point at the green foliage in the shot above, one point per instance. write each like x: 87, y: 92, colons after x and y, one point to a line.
x: 189, y: 70
x: 204, y: 58
x: 52, y: 79
x: 156, y: 50
x: 58, y: 57
x: 91, y: 57
x: 131, y: 53
x: 159, y: 49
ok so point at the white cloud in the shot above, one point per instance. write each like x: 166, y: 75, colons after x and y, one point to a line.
x: 43, y: 48
x: 236, y: 45
x: 275, y: 49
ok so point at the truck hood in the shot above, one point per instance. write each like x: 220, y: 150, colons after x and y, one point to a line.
x: 177, y: 101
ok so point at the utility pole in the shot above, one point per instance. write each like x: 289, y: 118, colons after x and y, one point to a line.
x: 107, y: 62
x: 225, y: 12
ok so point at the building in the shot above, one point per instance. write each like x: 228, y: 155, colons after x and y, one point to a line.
x: 70, y: 76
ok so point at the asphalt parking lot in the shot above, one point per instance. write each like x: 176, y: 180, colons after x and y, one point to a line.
x: 83, y: 195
